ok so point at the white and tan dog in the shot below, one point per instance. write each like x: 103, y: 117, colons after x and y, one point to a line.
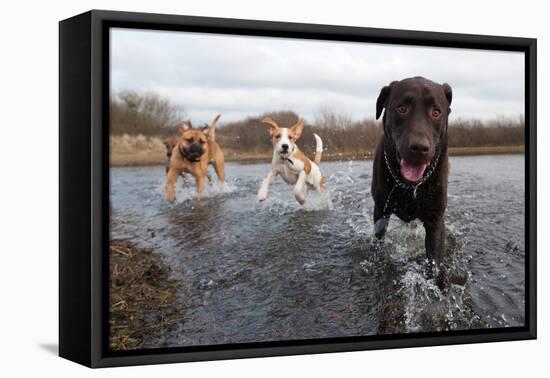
x: 291, y: 163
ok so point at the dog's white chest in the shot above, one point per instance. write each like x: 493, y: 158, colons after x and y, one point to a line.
x: 289, y: 174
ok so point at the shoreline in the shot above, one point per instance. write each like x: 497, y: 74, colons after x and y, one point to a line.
x: 140, y: 285
x: 143, y: 159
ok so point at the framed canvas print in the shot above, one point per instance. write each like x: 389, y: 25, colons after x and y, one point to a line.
x: 235, y: 188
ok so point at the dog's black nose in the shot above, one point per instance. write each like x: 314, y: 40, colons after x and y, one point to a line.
x: 419, y: 146
x: 284, y: 147
x: 195, y: 149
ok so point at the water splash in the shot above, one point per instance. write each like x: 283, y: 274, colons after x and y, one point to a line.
x: 276, y: 270
x: 186, y: 191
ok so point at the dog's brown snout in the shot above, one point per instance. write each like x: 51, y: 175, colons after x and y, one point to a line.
x: 419, y: 146
x: 195, y: 148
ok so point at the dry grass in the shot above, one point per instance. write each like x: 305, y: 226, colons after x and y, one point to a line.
x: 139, y: 150
x: 143, y: 299
x: 129, y: 150
x: 486, y: 150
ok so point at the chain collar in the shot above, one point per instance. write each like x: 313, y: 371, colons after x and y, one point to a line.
x: 425, y: 177
x: 401, y: 184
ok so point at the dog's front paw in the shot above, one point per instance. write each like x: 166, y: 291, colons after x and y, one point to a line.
x: 171, y: 196
x: 262, y: 196
x: 380, y: 227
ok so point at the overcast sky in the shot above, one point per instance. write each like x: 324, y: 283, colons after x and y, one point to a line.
x: 206, y: 74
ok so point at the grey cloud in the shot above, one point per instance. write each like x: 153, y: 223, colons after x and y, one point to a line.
x: 240, y: 76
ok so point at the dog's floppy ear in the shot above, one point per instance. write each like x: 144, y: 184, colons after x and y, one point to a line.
x: 297, y: 129
x: 448, y: 93
x: 273, y: 126
x: 382, y: 100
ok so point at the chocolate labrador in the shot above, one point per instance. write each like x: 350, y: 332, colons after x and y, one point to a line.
x: 410, y: 166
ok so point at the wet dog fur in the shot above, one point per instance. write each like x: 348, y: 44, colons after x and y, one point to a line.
x: 291, y: 163
x: 194, y: 150
x: 414, y: 144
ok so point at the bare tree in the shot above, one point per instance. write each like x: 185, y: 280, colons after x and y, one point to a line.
x: 325, y: 117
x: 143, y: 113
x: 149, y: 114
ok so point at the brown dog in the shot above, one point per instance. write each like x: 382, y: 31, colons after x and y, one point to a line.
x: 169, y: 143
x: 194, y: 150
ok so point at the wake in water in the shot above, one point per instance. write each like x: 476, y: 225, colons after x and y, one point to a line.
x: 412, y: 302
x: 186, y: 191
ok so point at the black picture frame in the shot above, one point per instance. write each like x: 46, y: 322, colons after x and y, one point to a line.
x: 84, y: 184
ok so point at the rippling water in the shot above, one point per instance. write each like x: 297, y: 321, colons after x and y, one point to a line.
x: 276, y: 271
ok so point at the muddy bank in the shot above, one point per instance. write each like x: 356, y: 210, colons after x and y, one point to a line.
x: 143, y: 299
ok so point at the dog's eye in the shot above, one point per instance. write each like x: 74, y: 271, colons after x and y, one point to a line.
x: 202, y: 141
x: 277, y: 136
x: 402, y: 109
x: 436, y: 113
x: 190, y: 140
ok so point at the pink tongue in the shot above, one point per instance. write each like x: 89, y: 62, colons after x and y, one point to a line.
x: 412, y: 173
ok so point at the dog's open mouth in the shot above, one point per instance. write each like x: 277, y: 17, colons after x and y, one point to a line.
x: 192, y: 156
x: 412, y: 173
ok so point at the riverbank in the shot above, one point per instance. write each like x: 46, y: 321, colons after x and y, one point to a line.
x: 143, y: 299
x: 368, y: 155
x: 136, y: 151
